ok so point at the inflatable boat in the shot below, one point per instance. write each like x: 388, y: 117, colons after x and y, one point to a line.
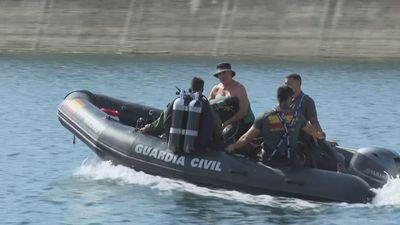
x: 109, y: 127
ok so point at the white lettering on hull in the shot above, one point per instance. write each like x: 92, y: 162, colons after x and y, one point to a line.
x: 165, y: 156
x: 206, y: 164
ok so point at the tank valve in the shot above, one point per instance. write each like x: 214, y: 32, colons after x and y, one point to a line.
x: 140, y: 123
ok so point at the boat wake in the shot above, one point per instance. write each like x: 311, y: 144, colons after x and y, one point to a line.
x: 389, y: 194
x: 96, y: 169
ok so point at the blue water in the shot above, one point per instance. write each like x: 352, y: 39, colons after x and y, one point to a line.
x: 45, y: 179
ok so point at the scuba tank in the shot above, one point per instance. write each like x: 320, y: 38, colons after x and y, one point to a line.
x: 192, y: 125
x: 178, y: 123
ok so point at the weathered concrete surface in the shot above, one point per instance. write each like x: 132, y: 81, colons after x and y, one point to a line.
x: 359, y: 28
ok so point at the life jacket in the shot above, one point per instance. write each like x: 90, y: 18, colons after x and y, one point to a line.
x: 279, y: 121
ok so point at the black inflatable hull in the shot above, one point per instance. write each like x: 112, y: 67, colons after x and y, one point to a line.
x: 119, y: 142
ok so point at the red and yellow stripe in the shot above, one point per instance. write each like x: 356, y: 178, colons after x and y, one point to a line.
x: 274, y: 122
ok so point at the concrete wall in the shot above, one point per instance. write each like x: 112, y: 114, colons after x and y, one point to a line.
x: 360, y: 28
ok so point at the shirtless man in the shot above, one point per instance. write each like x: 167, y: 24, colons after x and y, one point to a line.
x: 231, y: 96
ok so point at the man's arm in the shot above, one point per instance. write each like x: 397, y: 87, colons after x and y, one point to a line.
x: 156, y: 127
x: 310, y: 129
x: 243, y: 140
x: 311, y: 113
x: 243, y: 106
x: 212, y: 93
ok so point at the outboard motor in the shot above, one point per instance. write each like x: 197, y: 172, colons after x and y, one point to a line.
x: 193, y: 121
x: 375, y: 165
x: 178, y: 123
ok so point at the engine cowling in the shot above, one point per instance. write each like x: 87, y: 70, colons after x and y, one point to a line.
x: 375, y: 165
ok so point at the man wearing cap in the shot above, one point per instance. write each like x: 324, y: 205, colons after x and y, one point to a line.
x: 229, y: 99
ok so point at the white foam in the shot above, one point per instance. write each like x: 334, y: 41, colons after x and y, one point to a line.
x: 95, y: 169
x: 389, y: 194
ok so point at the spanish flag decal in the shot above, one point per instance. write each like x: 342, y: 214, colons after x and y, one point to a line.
x: 74, y: 105
x: 276, y: 124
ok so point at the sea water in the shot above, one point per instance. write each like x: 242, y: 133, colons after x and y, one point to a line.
x: 45, y: 179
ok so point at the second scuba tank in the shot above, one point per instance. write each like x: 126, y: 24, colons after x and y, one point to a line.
x: 192, y: 125
x: 178, y: 124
